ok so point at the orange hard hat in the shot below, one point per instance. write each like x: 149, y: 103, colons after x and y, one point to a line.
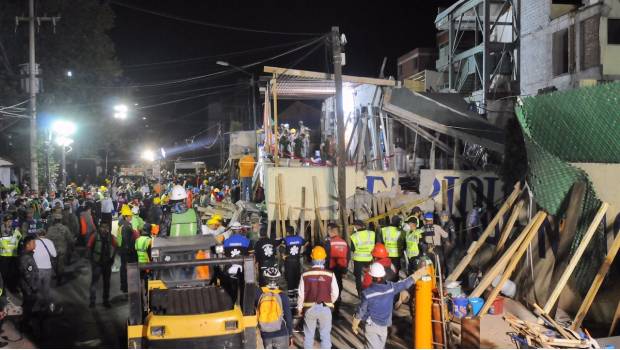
x: 379, y: 251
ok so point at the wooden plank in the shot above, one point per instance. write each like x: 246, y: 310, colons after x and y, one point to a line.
x: 551, y: 321
x: 473, y: 249
x: 280, y: 211
x: 444, y: 194
x: 317, y: 210
x: 312, y: 233
x: 508, y: 228
x: 596, y: 284
x: 614, y: 322
x: 501, y: 263
x: 325, y: 76
x: 538, y: 221
x: 575, y: 258
x: 302, y: 215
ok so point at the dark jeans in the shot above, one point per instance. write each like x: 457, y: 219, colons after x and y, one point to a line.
x: 9, y: 270
x: 28, y: 304
x: 292, y: 271
x: 123, y: 272
x: 358, y: 272
x: 107, y: 219
x: 100, y: 271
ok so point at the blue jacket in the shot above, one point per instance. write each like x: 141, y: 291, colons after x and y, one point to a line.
x: 293, y: 245
x: 287, y: 326
x: 377, y: 301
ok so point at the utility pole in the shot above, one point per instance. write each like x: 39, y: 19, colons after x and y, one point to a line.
x: 342, y: 157
x: 33, y: 88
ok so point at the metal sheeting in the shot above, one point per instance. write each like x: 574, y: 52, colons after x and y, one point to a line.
x: 305, y: 88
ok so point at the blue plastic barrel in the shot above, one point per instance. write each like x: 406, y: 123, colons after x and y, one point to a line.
x: 476, y: 305
x: 460, y: 307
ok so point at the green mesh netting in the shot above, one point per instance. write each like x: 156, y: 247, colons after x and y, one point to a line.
x: 581, y: 125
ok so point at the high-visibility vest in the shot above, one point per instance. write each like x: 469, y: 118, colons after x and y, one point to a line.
x: 9, y: 244
x: 142, y: 248
x: 363, y: 241
x: 412, y: 239
x: 391, y: 239
x: 184, y: 224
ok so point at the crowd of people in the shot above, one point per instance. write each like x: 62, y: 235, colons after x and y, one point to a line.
x: 41, y: 233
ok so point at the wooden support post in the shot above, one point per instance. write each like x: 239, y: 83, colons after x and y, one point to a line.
x: 596, y: 284
x: 614, y: 321
x: 473, y: 249
x: 280, y: 211
x: 444, y: 194
x: 501, y: 263
x: 538, y: 221
x: 508, y: 228
x: 575, y: 258
x: 317, y: 210
x: 302, y: 215
x: 312, y: 233
x: 274, y: 83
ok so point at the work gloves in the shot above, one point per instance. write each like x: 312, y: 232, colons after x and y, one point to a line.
x: 421, y: 272
x: 355, y: 325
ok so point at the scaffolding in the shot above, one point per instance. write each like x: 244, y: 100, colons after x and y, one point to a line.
x: 479, y: 49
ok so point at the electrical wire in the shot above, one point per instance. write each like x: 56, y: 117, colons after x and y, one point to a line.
x: 197, y: 59
x: 208, y: 24
x: 182, y: 99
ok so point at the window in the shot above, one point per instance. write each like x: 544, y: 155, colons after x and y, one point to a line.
x: 613, y: 31
x: 590, y: 47
x: 560, y: 52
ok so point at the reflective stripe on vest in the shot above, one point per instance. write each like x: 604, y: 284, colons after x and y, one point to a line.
x: 391, y: 239
x: 183, y: 224
x: 363, y: 241
x: 412, y: 240
x: 9, y: 244
x: 142, y: 248
x: 317, y: 287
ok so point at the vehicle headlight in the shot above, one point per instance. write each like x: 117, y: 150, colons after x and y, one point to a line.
x: 157, y: 331
x: 219, y: 249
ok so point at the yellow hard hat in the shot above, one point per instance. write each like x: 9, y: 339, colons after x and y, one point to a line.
x: 212, y: 221
x: 217, y: 217
x: 156, y: 200
x: 206, y: 182
x: 164, y: 199
x: 126, y: 211
x: 293, y: 130
x: 318, y: 253
x: 103, y: 189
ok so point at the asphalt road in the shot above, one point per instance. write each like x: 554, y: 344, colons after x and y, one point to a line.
x: 78, y: 325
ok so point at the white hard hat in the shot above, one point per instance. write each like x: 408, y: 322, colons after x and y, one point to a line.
x: 235, y: 225
x: 178, y: 193
x: 377, y: 270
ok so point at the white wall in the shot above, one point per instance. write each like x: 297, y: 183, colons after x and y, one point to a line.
x: 610, y: 54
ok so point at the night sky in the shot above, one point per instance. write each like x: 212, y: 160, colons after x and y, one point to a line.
x: 373, y: 30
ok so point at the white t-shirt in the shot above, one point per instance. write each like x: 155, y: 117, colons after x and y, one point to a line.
x: 41, y: 257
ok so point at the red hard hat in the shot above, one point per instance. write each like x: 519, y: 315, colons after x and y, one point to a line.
x: 379, y: 251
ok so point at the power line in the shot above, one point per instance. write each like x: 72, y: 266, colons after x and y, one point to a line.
x: 182, y: 99
x: 208, y: 24
x: 201, y: 58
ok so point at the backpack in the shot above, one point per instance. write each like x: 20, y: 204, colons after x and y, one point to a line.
x: 269, y: 311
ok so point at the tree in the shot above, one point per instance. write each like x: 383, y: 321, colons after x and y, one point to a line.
x: 80, y: 44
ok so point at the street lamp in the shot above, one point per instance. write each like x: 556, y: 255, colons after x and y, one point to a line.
x: 148, y: 155
x: 63, y: 129
x: 253, y: 88
x: 120, y: 111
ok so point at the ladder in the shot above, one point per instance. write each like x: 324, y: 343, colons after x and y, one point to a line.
x: 442, y: 305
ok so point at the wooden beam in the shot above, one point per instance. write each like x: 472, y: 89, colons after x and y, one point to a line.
x: 302, y: 215
x: 575, y: 258
x: 614, y: 321
x: 325, y: 76
x: 538, y: 221
x: 501, y: 263
x: 317, y: 210
x: 508, y: 228
x: 551, y: 321
x: 473, y: 249
x: 281, y: 215
x: 596, y: 284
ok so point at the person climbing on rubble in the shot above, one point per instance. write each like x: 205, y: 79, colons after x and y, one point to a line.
x: 362, y: 243
x: 375, y: 309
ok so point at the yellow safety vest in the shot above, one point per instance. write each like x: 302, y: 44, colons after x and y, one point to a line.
x: 412, y: 240
x: 142, y: 248
x: 364, y: 242
x: 391, y: 239
x: 9, y: 244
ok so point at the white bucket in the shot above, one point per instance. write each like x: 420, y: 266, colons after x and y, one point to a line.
x: 509, y: 288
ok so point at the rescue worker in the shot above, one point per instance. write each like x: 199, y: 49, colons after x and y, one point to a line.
x: 246, y: 172
x: 362, y: 243
x: 107, y: 207
x: 31, y: 226
x: 181, y: 221
x: 236, y: 245
x: 392, y: 238
x: 416, y: 216
x: 71, y: 221
x: 376, y: 306
x: 101, y: 251
x: 87, y: 224
x: 9, y: 244
x: 215, y: 228
x: 380, y: 255
x: 155, y: 212
x: 449, y: 245
x: 283, y: 337
x: 413, y: 235
x: 60, y: 235
x: 143, y: 244
x: 434, y: 237
x: 338, y: 256
x: 265, y: 250
x: 318, y: 291
x: 293, y: 245
x: 28, y: 281
x: 127, y: 250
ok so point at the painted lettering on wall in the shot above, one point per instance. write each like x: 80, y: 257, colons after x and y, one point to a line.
x: 464, y: 191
